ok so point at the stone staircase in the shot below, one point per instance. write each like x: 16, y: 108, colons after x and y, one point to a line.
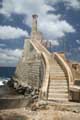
x: 58, y: 86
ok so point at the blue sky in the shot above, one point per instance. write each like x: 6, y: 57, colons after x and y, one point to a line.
x: 59, y: 21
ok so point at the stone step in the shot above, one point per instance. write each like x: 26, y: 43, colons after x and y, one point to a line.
x: 58, y: 84
x: 53, y: 82
x: 55, y: 65
x: 55, y: 71
x: 57, y: 74
x: 58, y: 80
x: 54, y: 90
x: 54, y: 61
x: 58, y: 90
x: 58, y: 95
x: 58, y: 87
x: 57, y: 99
x: 58, y: 77
x: 56, y: 68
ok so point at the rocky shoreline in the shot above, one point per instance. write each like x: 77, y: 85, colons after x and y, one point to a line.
x: 48, y: 113
x: 24, y: 104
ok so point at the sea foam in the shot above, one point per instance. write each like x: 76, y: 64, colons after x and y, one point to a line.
x: 2, y: 80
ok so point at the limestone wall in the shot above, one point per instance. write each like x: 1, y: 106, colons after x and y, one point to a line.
x: 30, y: 67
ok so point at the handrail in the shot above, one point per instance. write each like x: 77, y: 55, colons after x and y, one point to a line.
x: 35, y: 47
x: 42, y: 48
x: 66, y: 67
x: 44, y: 89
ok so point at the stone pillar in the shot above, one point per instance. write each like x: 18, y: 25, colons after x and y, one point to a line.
x: 34, y: 26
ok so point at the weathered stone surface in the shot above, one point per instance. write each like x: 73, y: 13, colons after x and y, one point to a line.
x: 28, y: 71
x: 75, y: 93
x: 10, y: 99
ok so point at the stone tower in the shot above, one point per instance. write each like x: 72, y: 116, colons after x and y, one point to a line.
x: 29, y: 69
x: 34, y: 25
x: 43, y: 70
x: 35, y: 34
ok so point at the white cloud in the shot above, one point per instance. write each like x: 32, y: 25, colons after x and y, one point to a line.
x: 79, y: 49
x: 78, y: 41
x: 24, y: 6
x: 2, y: 45
x: 9, y: 57
x: 75, y: 4
x: 55, y: 29
x: 9, y: 32
x: 51, y: 25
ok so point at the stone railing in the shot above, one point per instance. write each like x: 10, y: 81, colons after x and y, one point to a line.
x: 44, y: 88
x: 66, y: 68
x: 44, y: 49
x: 41, y: 47
x: 35, y: 47
x: 45, y: 54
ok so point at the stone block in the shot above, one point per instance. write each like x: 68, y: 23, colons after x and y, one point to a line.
x: 75, y: 93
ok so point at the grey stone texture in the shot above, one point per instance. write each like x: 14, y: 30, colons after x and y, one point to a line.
x: 28, y: 70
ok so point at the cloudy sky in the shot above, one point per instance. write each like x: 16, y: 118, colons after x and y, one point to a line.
x: 59, y: 21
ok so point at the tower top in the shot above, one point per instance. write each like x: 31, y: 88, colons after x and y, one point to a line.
x: 35, y: 16
x: 34, y: 25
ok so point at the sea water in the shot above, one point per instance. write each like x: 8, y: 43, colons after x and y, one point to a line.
x: 5, y: 74
x: 2, y: 80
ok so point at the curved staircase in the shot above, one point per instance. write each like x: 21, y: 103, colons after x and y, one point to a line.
x: 58, y: 85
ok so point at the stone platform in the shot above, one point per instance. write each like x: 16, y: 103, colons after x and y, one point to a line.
x: 9, y: 99
x: 65, y: 106
x: 10, y: 102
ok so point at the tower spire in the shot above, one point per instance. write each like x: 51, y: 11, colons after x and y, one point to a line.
x: 34, y: 25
